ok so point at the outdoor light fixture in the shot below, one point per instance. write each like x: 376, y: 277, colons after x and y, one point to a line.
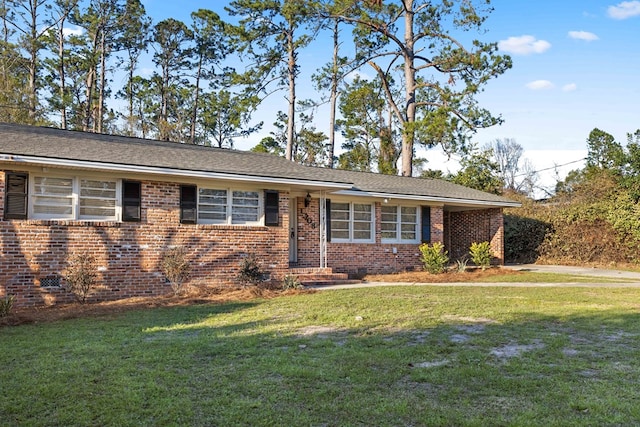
x: 307, y: 200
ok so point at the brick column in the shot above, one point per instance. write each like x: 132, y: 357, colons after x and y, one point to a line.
x: 437, y: 224
x: 497, y: 235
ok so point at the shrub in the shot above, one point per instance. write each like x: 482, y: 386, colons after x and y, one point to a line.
x: 176, y: 268
x: 434, y: 257
x: 81, y: 276
x: 461, y: 265
x: 250, y: 273
x: 291, y: 281
x: 480, y: 254
x: 6, y: 304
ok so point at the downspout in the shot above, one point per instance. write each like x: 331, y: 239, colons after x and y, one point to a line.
x: 323, y: 229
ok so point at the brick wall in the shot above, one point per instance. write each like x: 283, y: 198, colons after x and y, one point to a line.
x: 465, y: 228
x: 457, y: 230
x: 128, y: 255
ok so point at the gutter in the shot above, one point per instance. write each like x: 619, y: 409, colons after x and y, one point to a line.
x: 111, y: 167
x: 433, y: 199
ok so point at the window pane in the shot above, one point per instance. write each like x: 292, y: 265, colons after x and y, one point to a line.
x: 245, y: 207
x: 212, y: 205
x: 53, y: 197
x: 97, y: 199
x: 362, y: 235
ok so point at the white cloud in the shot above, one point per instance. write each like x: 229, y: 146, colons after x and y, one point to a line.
x: 358, y: 74
x: 523, y: 45
x: 77, y: 31
x: 583, y: 35
x: 569, y: 87
x: 539, y: 85
x: 624, y: 10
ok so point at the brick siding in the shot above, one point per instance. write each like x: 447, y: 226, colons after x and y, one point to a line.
x: 457, y: 230
x: 128, y: 255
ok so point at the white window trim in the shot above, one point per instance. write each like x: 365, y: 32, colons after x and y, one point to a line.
x: 399, y: 239
x: 75, y: 198
x: 229, y: 207
x: 372, y: 230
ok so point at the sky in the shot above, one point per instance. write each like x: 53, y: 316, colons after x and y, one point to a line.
x: 576, y: 66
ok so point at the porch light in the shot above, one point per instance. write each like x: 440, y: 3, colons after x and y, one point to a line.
x: 307, y: 200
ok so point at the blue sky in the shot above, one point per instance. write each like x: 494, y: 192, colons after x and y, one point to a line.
x: 576, y: 66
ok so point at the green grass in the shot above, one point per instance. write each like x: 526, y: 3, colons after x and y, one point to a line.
x: 374, y: 356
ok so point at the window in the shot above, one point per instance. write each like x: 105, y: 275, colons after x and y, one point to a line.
x: 351, y: 222
x: 221, y: 206
x: 188, y: 201
x: 15, y: 202
x: 131, y: 201
x: 399, y: 224
x: 271, y: 208
x: 74, y: 198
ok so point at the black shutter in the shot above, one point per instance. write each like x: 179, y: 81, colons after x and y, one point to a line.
x: 426, y: 224
x: 15, y: 201
x: 188, y: 204
x: 271, y: 207
x: 131, y: 201
x: 328, y: 217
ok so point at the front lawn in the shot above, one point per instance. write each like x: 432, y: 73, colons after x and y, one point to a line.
x: 395, y: 356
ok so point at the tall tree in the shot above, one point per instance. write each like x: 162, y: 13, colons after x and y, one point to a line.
x: 211, y: 48
x: 367, y: 128
x: 28, y: 18
x: 174, y: 50
x: 441, y: 76
x: 271, y: 34
x: 226, y: 116
x: 133, y: 42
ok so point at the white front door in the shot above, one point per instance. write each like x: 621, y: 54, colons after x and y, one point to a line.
x: 293, y: 230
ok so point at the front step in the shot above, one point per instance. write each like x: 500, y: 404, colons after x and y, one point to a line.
x: 321, y: 277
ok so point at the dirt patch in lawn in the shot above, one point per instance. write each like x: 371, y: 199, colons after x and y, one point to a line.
x: 194, y: 296
x: 470, y: 275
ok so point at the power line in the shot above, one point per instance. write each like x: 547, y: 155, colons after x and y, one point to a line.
x: 551, y: 168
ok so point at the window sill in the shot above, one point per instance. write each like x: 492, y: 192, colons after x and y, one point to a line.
x: 68, y: 222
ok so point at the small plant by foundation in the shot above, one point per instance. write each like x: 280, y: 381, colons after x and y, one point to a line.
x: 291, y: 281
x: 176, y: 268
x: 250, y: 273
x: 461, y: 265
x: 80, y: 276
x: 434, y: 257
x: 481, y: 254
x: 6, y: 304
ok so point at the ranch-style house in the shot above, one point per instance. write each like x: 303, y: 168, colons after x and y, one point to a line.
x: 126, y: 201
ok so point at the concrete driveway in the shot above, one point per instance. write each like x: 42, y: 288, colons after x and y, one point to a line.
x: 633, y: 277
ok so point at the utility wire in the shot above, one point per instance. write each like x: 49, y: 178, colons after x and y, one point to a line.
x: 550, y: 168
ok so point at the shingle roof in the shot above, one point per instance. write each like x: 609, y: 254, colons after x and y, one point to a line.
x: 51, y: 143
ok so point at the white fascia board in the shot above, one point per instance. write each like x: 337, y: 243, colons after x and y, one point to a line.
x: 433, y: 199
x: 116, y: 167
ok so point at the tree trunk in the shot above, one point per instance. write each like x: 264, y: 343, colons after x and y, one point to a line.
x: 291, y: 69
x: 194, y: 114
x: 334, y: 97
x: 63, y: 89
x: 103, y: 79
x: 408, y: 134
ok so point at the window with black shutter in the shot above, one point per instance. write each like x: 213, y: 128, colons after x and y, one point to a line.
x: 271, y: 207
x: 15, y: 201
x: 328, y: 218
x: 131, y: 201
x: 188, y: 204
x: 426, y: 224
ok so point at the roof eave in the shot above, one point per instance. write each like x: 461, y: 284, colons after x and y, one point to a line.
x: 431, y: 199
x: 153, y: 170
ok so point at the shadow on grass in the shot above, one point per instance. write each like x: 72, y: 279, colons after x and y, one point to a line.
x: 265, y: 363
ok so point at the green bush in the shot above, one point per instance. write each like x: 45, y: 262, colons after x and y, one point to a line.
x: 81, y: 275
x: 6, y: 304
x: 250, y: 273
x: 434, y: 257
x: 481, y: 254
x: 176, y: 268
